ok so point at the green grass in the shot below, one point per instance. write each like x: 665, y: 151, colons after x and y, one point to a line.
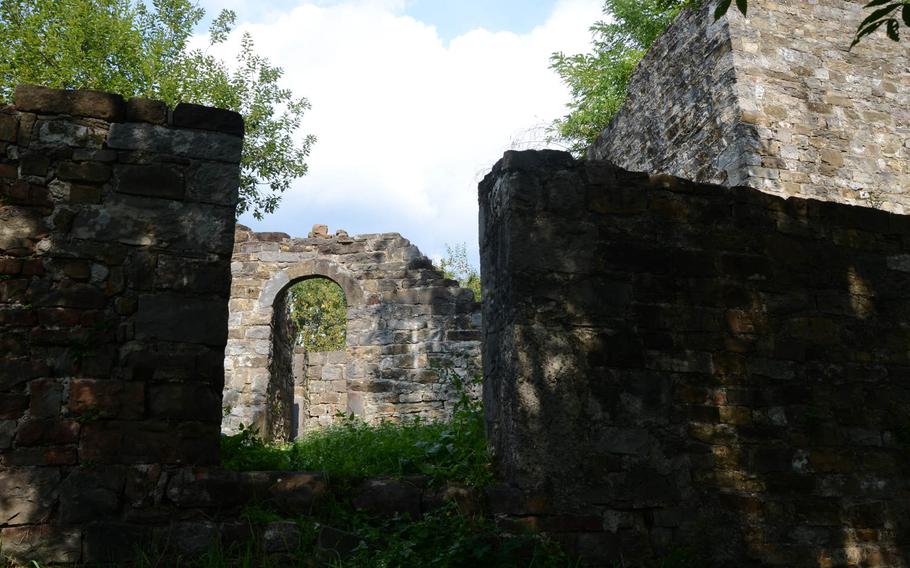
x: 450, y: 450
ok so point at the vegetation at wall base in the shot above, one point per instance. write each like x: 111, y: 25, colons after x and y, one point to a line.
x: 445, y: 450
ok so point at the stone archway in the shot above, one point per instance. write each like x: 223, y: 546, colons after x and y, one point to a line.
x: 293, y: 372
x: 404, y: 320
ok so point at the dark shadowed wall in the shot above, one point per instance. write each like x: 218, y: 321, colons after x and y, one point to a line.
x: 673, y: 365
x: 116, y: 232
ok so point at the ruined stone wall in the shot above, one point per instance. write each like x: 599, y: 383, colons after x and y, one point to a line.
x: 116, y: 230
x: 404, y: 321
x: 776, y: 101
x: 673, y: 365
x: 320, y: 387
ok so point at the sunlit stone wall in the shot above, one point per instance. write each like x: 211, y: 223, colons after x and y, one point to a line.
x: 777, y: 101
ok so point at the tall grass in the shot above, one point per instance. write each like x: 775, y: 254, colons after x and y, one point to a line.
x: 450, y: 450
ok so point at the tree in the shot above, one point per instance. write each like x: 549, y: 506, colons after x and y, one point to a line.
x: 126, y: 47
x: 319, y: 312
x: 598, y: 80
x: 456, y: 266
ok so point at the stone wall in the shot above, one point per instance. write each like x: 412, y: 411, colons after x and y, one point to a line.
x: 777, y: 102
x: 670, y: 365
x: 405, y: 320
x: 320, y: 387
x: 116, y: 230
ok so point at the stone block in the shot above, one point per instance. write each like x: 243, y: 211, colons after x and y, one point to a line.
x: 281, y: 536
x: 93, y: 104
x: 46, y: 396
x: 49, y: 543
x: 213, y: 183
x: 184, y: 402
x: 162, y: 181
x: 297, y: 493
x: 91, y: 172
x: 13, y: 406
x: 188, y: 143
x: 107, y: 399
x: 146, y: 110
x: 203, y: 321
x: 47, y: 432
x: 91, y: 494
x: 29, y: 495
x: 9, y: 125
x: 115, y: 542
x: 186, y: 115
x: 388, y: 497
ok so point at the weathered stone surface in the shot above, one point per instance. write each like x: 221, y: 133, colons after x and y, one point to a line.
x: 50, y: 544
x: 776, y: 102
x: 91, y: 494
x: 107, y: 398
x: 84, y: 171
x: 281, y: 536
x: 297, y: 493
x: 203, y: 321
x: 146, y: 110
x: 388, y: 497
x: 153, y: 180
x: 28, y: 495
x: 405, y: 321
x: 190, y: 143
x: 695, y: 368
x: 94, y: 104
x: 9, y: 125
x: 186, y: 115
x: 103, y: 402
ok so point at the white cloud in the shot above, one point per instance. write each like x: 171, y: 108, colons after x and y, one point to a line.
x: 406, y: 123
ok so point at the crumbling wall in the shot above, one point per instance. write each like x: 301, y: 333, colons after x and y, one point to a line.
x: 671, y: 365
x: 777, y: 102
x: 116, y: 229
x: 405, y: 321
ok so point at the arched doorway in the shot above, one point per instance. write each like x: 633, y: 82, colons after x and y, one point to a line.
x: 275, y: 399
x: 404, y: 321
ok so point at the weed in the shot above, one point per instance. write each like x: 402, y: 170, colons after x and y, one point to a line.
x: 454, y: 449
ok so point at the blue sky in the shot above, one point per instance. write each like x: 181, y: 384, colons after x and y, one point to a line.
x: 453, y: 18
x: 412, y: 103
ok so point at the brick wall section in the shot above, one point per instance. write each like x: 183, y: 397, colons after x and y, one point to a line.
x: 670, y: 364
x: 116, y: 230
x: 775, y: 102
x: 404, y: 320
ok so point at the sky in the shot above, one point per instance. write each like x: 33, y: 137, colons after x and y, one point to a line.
x: 412, y: 102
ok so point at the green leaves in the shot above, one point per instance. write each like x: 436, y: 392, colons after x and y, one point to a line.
x: 886, y: 14
x: 131, y: 48
x: 456, y: 266
x: 598, y: 80
x: 319, y: 312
